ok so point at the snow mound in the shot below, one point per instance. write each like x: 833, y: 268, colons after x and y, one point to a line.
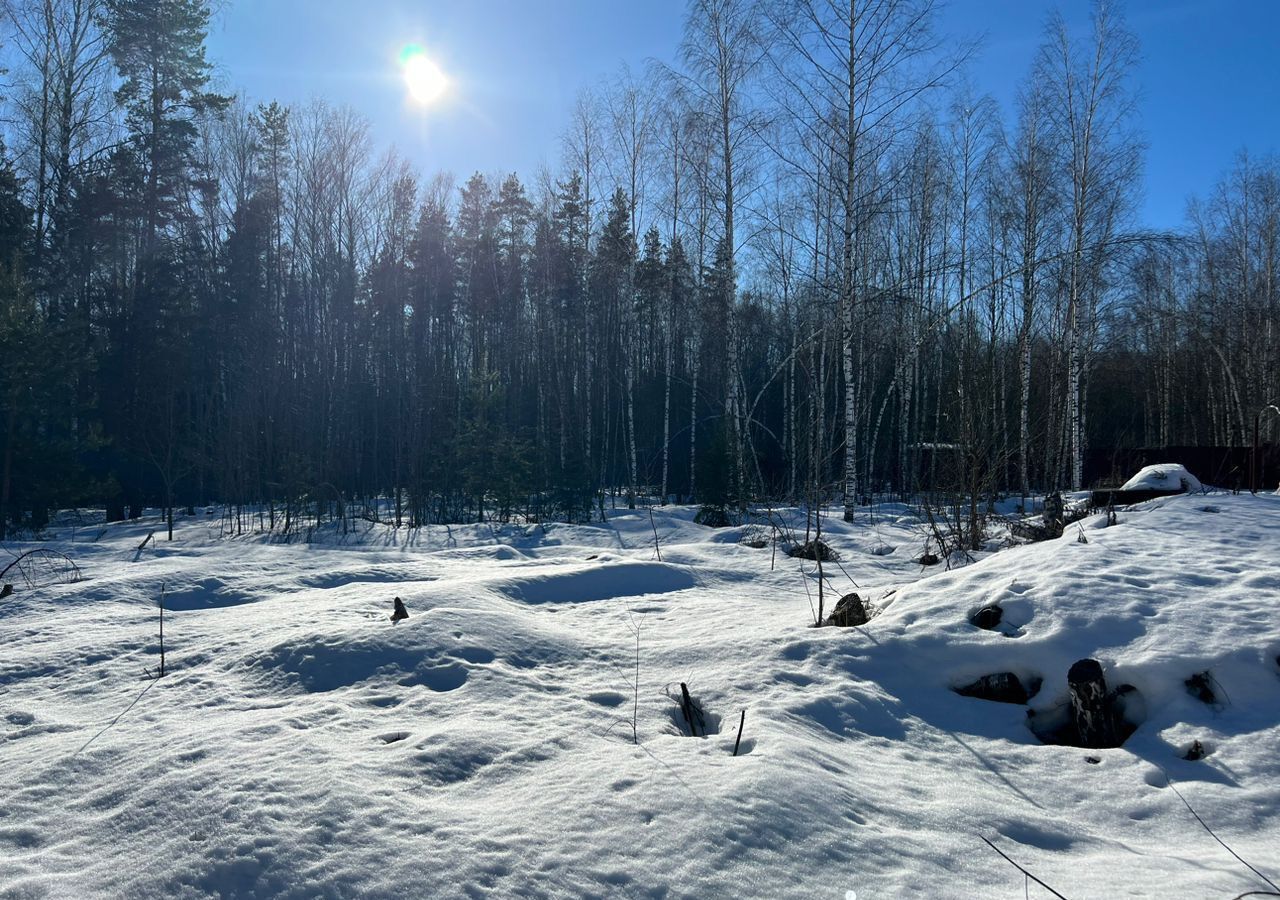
x: 1163, y: 477
x: 609, y: 581
x: 302, y: 745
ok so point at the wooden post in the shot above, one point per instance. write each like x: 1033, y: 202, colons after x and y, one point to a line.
x: 1093, y: 719
x: 1253, y: 460
x: 691, y: 714
x: 656, y: 549
x: 161, y: 675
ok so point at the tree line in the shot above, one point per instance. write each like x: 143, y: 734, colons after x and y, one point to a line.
x: 807, y: 260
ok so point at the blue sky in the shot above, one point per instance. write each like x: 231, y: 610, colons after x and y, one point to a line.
x: 1209, y: 80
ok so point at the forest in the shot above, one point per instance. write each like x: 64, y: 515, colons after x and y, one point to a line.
x: 807, y: 261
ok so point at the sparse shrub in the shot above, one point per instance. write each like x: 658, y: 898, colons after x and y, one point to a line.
x: 815, y: 549
x: 712, y: 515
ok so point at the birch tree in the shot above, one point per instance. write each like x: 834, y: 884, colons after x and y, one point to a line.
x: 855, y: 67
x: 1090, y: 109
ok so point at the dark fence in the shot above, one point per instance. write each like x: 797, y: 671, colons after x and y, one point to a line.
x: 1224, y: 467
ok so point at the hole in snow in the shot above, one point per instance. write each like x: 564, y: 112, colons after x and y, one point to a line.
x: 392, y: 737
x: 1200, y: 686
x: 988, y: 618
x: 689, y: 716
x: 1001, y: 687
x: 1109, y: 723
x: 797, y: 678
x: 1194, y: 751
x: 439, y: 679
x: 607, y: 698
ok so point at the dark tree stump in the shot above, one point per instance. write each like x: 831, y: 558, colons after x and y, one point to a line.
x: 712, y: 515
x: 400, y: 612
x: 1094, y: 721
x: 987, y: 618
x: 849, y: 613
x: 1053, y: 515
x: 815, y: 550
x: 1001, y: 687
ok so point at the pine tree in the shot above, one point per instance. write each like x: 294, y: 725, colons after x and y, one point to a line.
x: 158, y: 49
x: 20, y: 336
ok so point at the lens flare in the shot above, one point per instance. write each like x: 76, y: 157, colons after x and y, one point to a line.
x: 422, y: 76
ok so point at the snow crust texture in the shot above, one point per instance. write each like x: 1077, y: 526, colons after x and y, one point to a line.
x: 1163, y: 477
x: 302, y: 745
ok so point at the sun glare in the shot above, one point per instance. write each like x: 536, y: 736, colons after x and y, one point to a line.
x: 423, y: 77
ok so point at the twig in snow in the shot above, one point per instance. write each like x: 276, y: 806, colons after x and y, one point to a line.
x: 1022, y: 870
x: 1169, y: 782
x: 805, y: 578
x: 654, y: 525
x: 676, y: 775
x: 773, y: 554
x: 634, y: 627
x: 161, y: 604
x: 118, y: 717
x: 635, y: 697
x: 138, y: 553
x: 741, y: 722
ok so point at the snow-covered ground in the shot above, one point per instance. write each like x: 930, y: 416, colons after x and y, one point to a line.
x: 302, y: 745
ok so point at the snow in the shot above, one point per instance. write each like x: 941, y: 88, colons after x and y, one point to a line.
x: 1163, y: 477
x: 302, y: 745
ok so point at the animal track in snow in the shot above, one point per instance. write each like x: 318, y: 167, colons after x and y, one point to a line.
x: 440, y: 679
x: 477, y: 655
x: 607, y: 698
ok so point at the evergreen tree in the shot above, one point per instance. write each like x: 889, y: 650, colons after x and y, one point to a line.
x: 716, y: 471
x: 158, y: 50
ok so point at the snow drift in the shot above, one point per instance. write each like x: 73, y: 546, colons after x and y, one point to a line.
x: 1163, y: 477
x: 304, y: 746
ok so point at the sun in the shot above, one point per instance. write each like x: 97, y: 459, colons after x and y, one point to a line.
x: 423, y: 77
